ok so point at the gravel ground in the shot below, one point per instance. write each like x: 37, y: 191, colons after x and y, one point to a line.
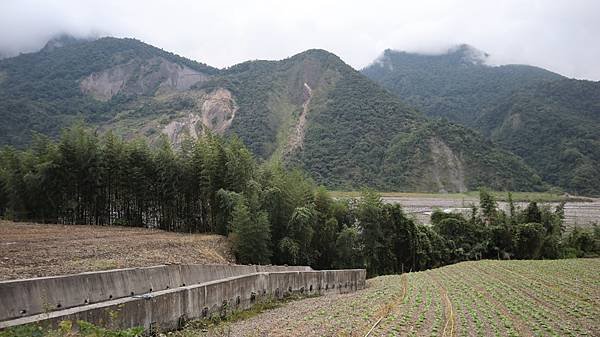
x: 577, y: 213
x: 33, y: 250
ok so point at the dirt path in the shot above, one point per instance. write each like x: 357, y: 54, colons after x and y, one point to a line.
x: 32, y: 250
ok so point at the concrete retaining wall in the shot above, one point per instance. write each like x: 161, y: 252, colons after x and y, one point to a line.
x: 170, y: 308
x: 26, y: 297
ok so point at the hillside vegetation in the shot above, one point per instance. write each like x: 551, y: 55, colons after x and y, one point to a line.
x: 457, y: 85
x: 549, y: 121
x: 270, y: 214
x: 311, y: 111
x: 555, y: 127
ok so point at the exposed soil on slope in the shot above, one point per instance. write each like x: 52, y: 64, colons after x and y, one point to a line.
x: 218, y: 110
x: 31, y: 250
x: 140, y: 77
x: 297, y: 137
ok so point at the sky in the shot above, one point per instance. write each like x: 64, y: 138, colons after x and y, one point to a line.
x: 559, y: 35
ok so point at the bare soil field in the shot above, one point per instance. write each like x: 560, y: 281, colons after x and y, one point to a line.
x: 32, y: 250
x: 483, y: 298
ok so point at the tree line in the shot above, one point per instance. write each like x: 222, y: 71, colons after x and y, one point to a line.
x: 270, y: 213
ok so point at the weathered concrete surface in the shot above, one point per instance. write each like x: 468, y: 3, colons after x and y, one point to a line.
x: 168, y: 309
x: 26, y: 297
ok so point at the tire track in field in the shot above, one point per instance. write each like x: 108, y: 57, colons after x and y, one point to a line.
x: 448, y: 309
x: 387, y: 309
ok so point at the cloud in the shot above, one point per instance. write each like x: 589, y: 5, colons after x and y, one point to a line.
x: 558, y: 35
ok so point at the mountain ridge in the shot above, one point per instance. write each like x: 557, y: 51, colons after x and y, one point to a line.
x: 309, y: 110
x: 538, y: 115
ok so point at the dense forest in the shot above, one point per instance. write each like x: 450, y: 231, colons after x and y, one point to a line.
x: 551, y: 122
x: 458, y: 85
x: 555, y: 127
x: 271, y: 214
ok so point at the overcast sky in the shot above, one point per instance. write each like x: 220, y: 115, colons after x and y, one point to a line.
x: 563, y: 36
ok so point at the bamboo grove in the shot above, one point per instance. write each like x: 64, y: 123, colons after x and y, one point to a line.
x: 271, y: 214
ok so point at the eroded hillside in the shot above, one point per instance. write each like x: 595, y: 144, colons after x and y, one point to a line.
x: 311, y: 110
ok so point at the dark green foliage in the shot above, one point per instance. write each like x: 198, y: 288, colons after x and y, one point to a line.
x: 554, y: 127
x: 457, y: 85
x: 440, y: 156
x: 250, y: 234
x: 582, y: 243
x: 549, y: 121
x: 529, y: 240
x: 349, y: 248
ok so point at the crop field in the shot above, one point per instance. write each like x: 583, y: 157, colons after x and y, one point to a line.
x: 483, y: 298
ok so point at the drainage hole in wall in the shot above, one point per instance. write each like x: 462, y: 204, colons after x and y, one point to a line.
x: 290, y: 289
x: 150, y: 290
x: 86, y: 301
x: 310, y: 288
x: 237, y: 300
x: 167, y: 287
x: 23, y: 312
x: 110, y: 297
x: 183, y: 284
x: 59, y: 305
x: 132, y: 293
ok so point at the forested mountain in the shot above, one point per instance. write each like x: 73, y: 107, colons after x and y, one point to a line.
x: 457, y: 85
x: 555, y: 127
x: 550, y: 121
x: 70, y: 79
x: 311, y: 110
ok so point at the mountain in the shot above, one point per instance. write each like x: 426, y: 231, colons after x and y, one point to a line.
x: 311, y: 110
x: 548, y: 120
x: 457, y: 85
x: 555, y: 127
x: 47, y: 90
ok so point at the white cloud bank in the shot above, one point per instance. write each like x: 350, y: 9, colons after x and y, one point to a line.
x: 560, y: 35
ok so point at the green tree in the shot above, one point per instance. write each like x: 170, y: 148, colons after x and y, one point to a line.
x: 349, y: 248
x: 250, y: 235
x: 370, y: 218
x: 529, y: 240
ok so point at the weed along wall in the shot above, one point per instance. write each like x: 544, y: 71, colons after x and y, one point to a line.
x: 164, y: 297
